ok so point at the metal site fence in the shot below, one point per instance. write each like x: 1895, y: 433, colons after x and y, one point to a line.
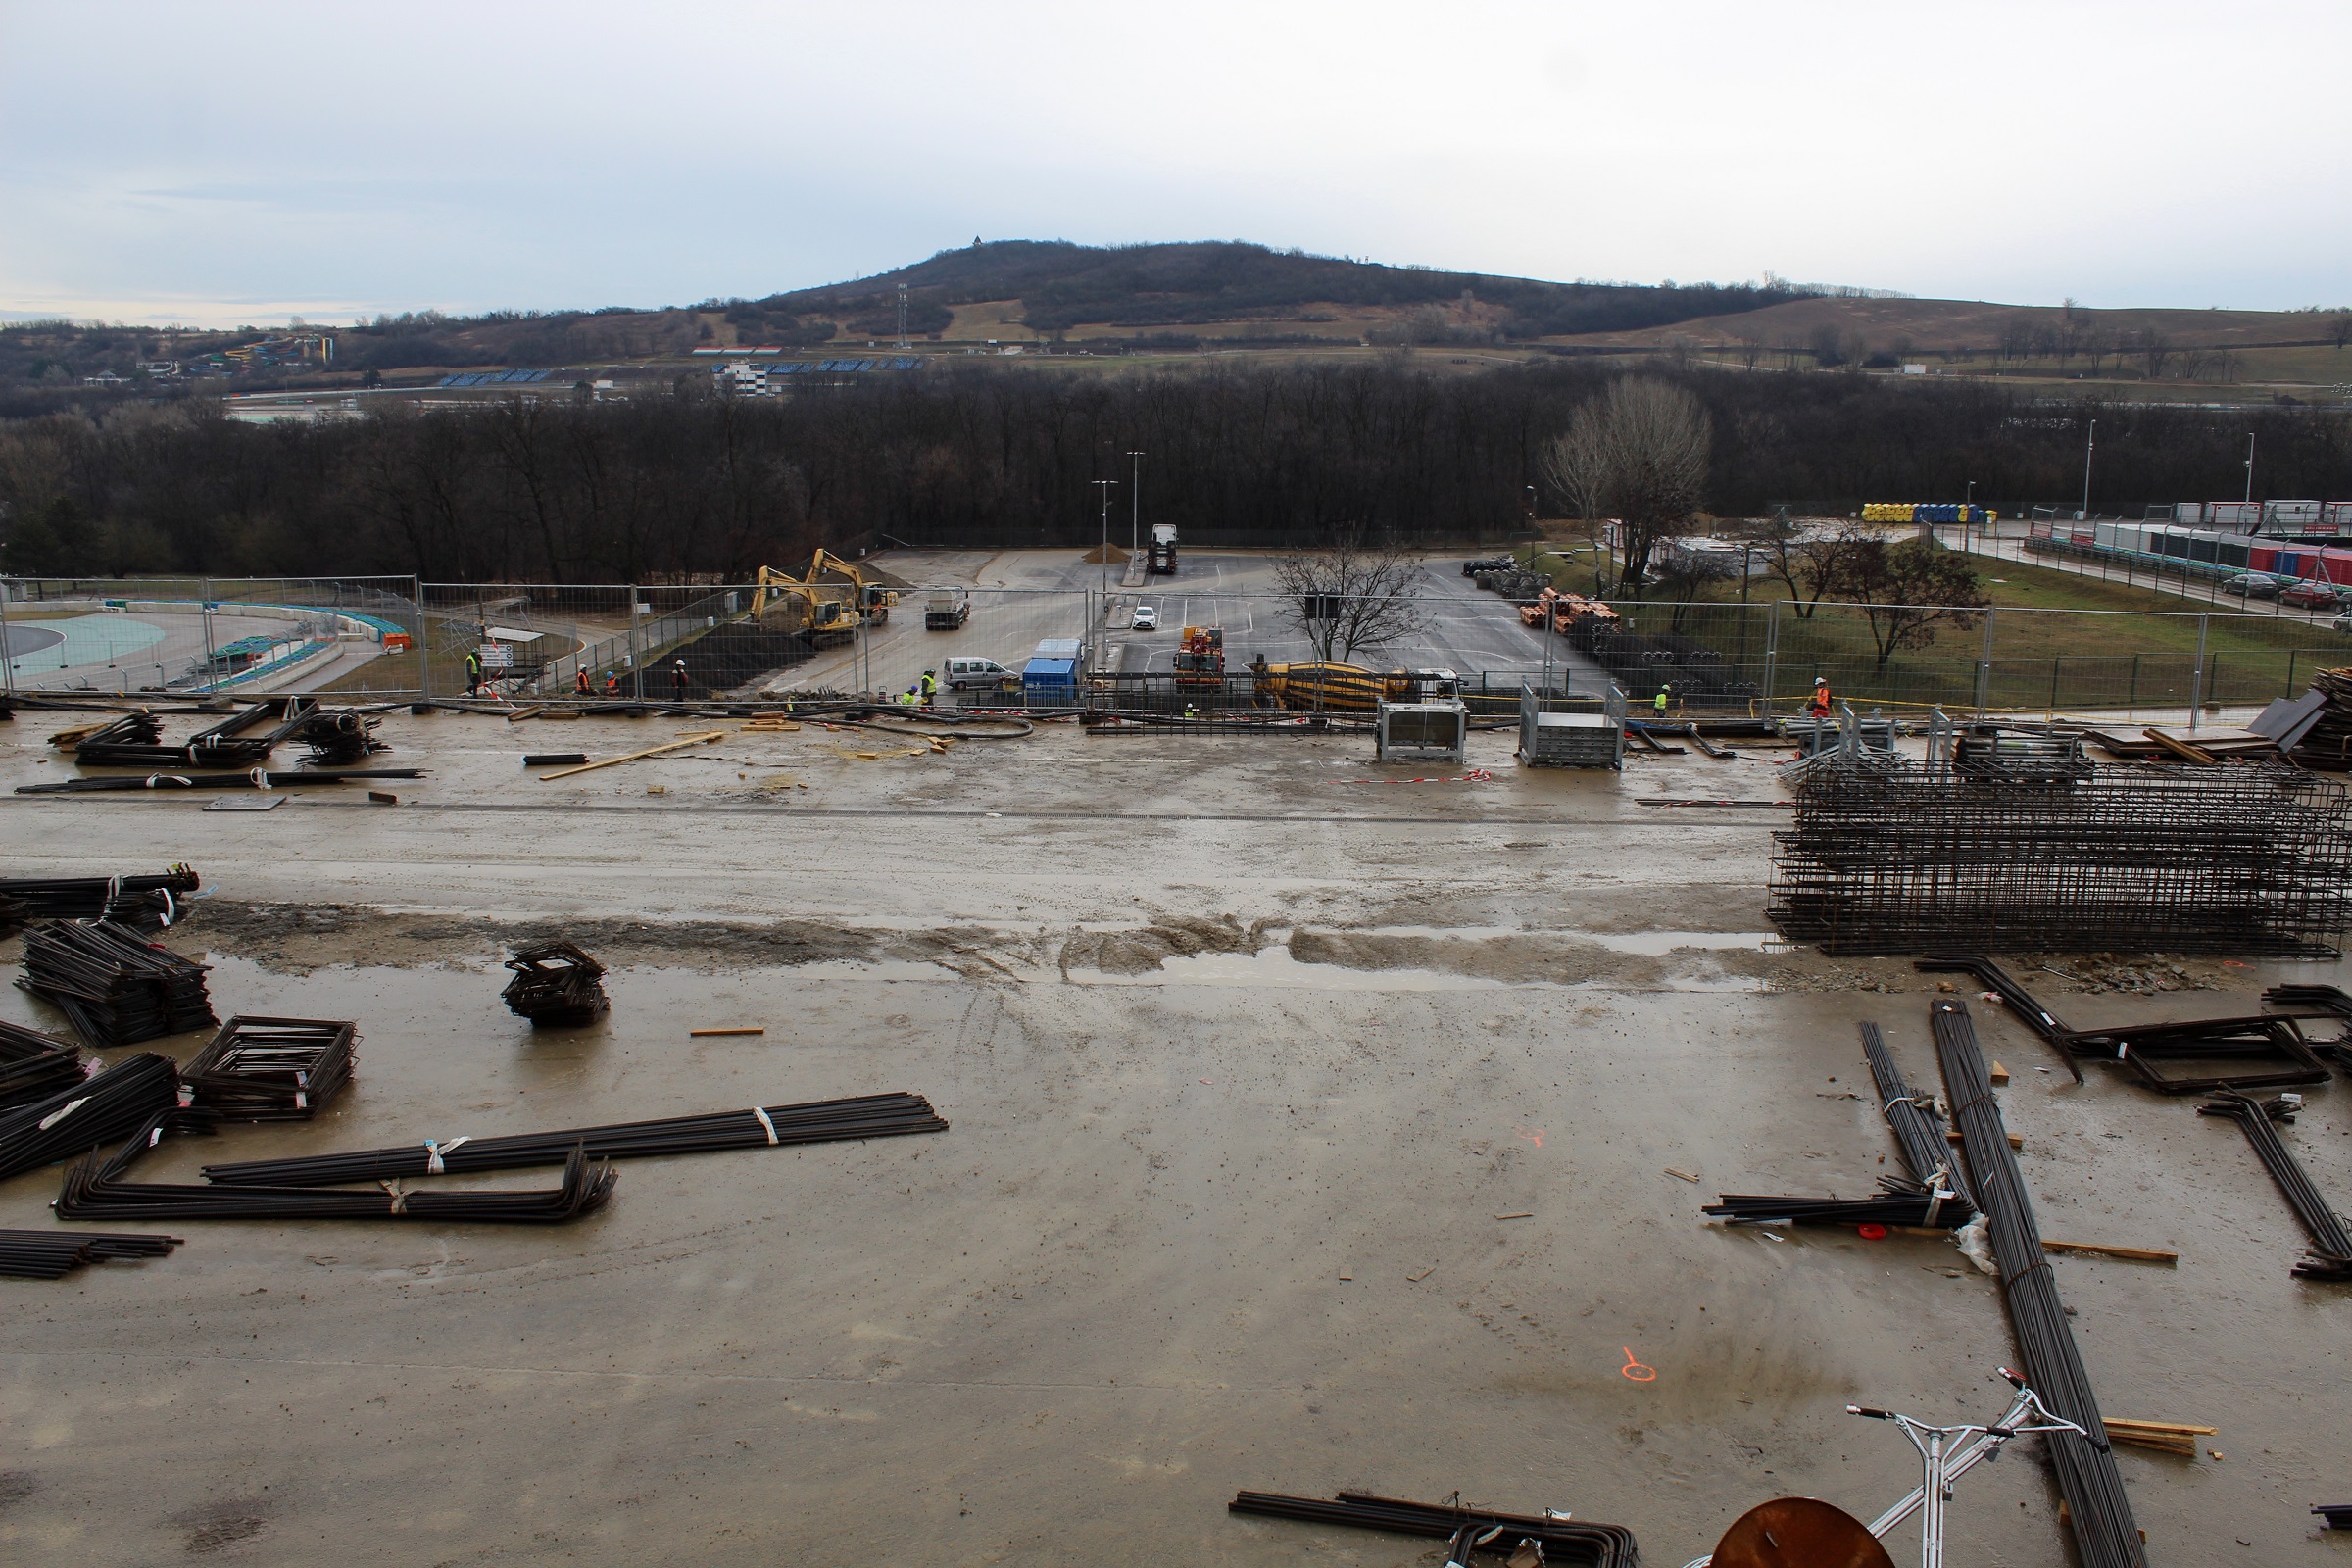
x: 395, y: 638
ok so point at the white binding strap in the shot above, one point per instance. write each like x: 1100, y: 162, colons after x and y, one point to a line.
x: 433, y: 1150
x: 72, y: 1105
x: 765, y: 1122
x: 400, y: 1199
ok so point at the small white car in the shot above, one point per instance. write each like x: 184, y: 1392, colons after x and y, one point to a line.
x: 1147, y: 618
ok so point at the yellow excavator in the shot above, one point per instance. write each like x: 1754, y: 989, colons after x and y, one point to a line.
x: 836, y: 612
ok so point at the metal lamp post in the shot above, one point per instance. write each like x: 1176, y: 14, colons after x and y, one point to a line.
x: 1104, y: 486
x: 2090, y: 444
x: 2249, y: 468
x: 1135, y: 502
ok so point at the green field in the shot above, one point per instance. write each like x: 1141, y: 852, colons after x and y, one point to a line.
x: 2058, y: 643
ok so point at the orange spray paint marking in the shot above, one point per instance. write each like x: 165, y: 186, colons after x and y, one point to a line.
x: 1636, y: 1370
x: 1534, y: 1135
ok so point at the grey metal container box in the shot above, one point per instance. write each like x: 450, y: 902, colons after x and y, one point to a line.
x: 1581, y: 737
x: 1438, y: 729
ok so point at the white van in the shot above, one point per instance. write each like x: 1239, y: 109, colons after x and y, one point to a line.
x: 966, y: 673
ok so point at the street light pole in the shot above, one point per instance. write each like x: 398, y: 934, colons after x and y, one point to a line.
x: 1135, y: 502
x: 2090, y: 444
x: 2249, y: 468
x: 1104, y: 486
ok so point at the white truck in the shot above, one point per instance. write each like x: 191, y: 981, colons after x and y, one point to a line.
x: 947, y: 609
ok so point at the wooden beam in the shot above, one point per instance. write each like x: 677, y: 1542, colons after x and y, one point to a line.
x: 702, y: 739
x: 2130, y: 1255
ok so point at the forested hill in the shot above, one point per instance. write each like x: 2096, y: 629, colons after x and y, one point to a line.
x: 1066, y: 288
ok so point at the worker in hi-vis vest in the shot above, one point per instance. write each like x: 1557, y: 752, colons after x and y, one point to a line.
x: 1659, y: 701
x: 930, y: 686
x: 1819, y: 708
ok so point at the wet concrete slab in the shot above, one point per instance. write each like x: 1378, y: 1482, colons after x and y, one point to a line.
x: 1243, y: 1067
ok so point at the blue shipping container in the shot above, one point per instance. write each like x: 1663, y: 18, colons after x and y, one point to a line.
x: 1051, y: 680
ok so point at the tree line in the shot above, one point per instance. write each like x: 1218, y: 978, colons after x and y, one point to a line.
x: 693, y: 483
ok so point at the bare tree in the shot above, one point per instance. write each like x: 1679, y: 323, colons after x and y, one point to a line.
x: 1814, y: 565
x: 1638, y: 453
x: 2339, y: 328
x: 1352, y: 595
x: 1909, y: 591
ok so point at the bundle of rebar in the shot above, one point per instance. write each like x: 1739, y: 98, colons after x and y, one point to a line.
x: 94, y: 1189
x: 1917, y: 855
x: 2098, y: 1511
x: 135, y: 739
x: 555, y: 983
x: 2021, y: 1002
x: 1562, y: 1541
x: 53, y: 1254
x: 2330, y: 1241
x: 2337, y: 1514
x: 2318, y: 999
x: 259, y: 779
x: 270, y: 1069
x: 125, y: 900
x: 1898, y: 1202
x: 116, y: 1102
x: 1918, y: 1130
x: 822, y: 1121
x: 116, y: 987
x: 337, y: 737
x: 34, y: 1065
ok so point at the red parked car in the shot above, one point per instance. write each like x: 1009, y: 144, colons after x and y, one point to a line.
x: 2310, y: 595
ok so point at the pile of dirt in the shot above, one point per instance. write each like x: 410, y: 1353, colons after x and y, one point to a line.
x: 1105, y: 554
x: 1139, y: 952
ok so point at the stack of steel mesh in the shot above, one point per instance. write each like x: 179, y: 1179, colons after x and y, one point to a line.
x: 555, y: 983
x: 270, y: 1069
x: 1903, y: 858
x: 116, y: 987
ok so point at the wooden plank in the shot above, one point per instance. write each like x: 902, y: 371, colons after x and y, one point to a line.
x: 703, y: 739
x: 2131, y: 1254
x: 2181, y: 748
x: 2170, y: 1429
x: 735, y: 1029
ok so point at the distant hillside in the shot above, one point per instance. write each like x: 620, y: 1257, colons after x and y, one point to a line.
x: 1069, y: 289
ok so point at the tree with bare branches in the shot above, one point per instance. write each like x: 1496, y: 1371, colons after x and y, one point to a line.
x: 1350, y: 595
x: 1638, y: 452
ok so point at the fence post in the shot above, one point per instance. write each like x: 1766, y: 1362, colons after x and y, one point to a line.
x: 1772, y: 652
x: 2131, y: 697
x: 2196, y: 681
x: 1984, y: 667
x: 425, y: 643
x: 2057, y: 664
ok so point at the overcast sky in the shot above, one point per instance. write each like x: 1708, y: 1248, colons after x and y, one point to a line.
x: 225, y: 161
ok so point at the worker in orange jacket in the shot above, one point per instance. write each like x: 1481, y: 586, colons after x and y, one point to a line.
x: 1819, y: 708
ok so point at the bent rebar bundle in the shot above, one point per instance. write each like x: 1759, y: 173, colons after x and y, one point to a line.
x: 259, y: 778
x: 2330, y: 1240
x: 2105, y: 1535
x: 116, y: 987
x: 1907, y: 856
x: 1563, y: 1540
x: 34, y: 1065
x: 1898, y: 1203
x: 822, y: 1121
x: 272, y: 1069
x: 124, y: 899
x: 73, y: 1121
x: 53, y: 1254
x: 1918, y: 1130
x: 555, y: 983
x: 94, y: 1189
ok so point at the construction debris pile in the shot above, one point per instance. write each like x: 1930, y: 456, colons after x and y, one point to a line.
x: 1901, y: 856
x: 555, y: 983
x: 2314, y: 730
x: 116, y: 987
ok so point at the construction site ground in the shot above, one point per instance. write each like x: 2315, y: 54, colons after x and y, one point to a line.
x: 1313, y: 1126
